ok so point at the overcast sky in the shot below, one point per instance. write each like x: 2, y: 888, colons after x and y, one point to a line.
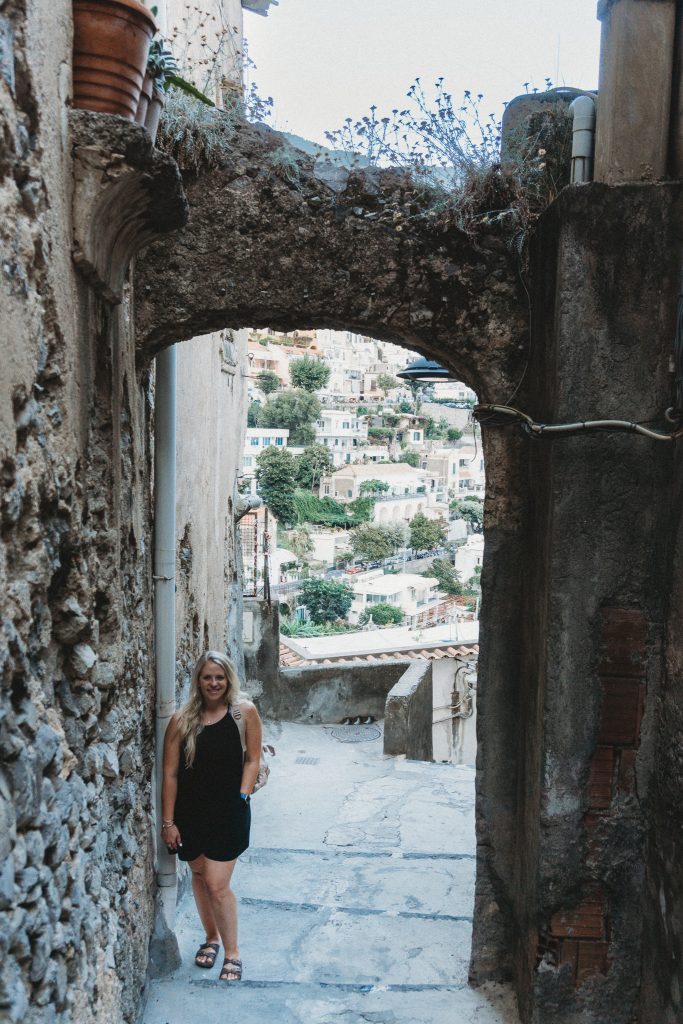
x: 324, y: 60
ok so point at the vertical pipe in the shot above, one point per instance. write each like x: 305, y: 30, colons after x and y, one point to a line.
x: 583, y: 137
x: 164, y: 604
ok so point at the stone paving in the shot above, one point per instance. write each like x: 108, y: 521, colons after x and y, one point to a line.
x: 355, y: 897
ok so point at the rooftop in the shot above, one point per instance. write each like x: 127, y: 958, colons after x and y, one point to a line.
x: 454, y: 639
x: 394, y: 583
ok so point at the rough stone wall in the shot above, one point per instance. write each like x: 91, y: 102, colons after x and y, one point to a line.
x: 211, y: 421
x: 76, y: 660
x: 596, y: 590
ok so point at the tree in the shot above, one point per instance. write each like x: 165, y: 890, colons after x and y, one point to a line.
x: 447, y: 575
x: 453, y: 434
x: 308, y: 373
x: 397, y: 534
x: 387, y: 383
x: 373, y: 487
x: 383, y: 614
x: 267, y: 381
x: 292, y: 410
x: 252, y: 413
x: 300, y: 543
x: 471, y: 510
x: 405, y: 407
x: 275, y: 479
x: 371, y: 543
x: 411, y: 458
x: 426, y: 534
x: 314, y: 461
x: 326, y: 600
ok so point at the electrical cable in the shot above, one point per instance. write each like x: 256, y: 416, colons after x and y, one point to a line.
x: 538, y: 430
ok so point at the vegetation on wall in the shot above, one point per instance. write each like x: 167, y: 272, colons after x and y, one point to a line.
x: 329, y: 512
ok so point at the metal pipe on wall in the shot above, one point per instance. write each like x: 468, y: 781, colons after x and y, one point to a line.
x: 583, y: 138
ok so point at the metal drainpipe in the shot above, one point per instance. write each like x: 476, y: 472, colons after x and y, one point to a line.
x: 583, y: 138
x: 164, y: 603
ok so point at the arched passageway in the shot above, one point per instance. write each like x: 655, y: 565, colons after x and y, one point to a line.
x: 574, y: 578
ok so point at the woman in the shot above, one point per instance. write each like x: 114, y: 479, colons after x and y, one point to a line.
x: 208, y: 780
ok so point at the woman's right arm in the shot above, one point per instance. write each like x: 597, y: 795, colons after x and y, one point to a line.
x: 169, y: 785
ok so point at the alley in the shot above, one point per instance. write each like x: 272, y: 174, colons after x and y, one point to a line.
x: 355, y: 896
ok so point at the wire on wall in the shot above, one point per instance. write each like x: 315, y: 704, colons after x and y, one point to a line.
x: 510, y: 416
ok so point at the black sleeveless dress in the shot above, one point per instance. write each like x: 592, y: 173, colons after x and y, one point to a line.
x: 211, y: 816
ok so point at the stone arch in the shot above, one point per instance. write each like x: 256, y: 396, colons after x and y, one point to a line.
x: 362, y: 251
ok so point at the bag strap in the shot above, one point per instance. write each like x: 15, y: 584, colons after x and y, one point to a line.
x: 239, y: 721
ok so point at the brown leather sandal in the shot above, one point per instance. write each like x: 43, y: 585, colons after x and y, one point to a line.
x: 234, y: 968
x: 208, y: 951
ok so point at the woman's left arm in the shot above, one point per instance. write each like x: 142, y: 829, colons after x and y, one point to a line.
x: 253, y: 737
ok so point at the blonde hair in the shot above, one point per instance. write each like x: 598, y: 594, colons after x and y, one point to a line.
x: 190, y: 717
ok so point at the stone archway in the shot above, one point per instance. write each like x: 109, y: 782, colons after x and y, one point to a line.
x: 320, y: 247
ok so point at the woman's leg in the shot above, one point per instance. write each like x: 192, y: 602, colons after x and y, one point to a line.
x: 216, y: 876
x: 203, y: 903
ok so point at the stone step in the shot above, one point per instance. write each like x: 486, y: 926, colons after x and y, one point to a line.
x: 253, y: 1002
x: 361, y: 882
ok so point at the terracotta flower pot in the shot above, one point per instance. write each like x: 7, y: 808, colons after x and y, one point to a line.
x: 145, y: 99
x: 156, y: 105
x: 111, y: 44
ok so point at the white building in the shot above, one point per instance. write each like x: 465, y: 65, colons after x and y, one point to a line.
x: 257, y: 440
x: 342, y: 432
x: 471, y: 476
x: 470, y: 556
x: 416, y: 596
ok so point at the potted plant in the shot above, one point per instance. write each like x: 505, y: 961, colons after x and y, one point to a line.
x: 162, y: 75
x: 111, y: 45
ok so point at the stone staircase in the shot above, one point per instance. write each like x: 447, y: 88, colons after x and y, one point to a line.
x: 355, y: 897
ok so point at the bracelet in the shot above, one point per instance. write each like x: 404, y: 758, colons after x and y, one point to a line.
x: 167, y: 824
x: 244, y: 796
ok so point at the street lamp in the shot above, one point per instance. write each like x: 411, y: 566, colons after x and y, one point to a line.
x: 425, y: 369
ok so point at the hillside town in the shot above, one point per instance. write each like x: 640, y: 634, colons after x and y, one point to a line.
x: 370, y: 482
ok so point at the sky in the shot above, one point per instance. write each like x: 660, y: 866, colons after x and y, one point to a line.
x: 325, y: 60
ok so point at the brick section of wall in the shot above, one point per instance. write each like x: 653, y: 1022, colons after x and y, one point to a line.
x: 579, y: 936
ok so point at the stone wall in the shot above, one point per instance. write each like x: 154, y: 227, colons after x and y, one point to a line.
x: 408, y: 714
x: 261, y: 644
x: 210, y: 429
x: 76, y: 428
x: 330, y: 693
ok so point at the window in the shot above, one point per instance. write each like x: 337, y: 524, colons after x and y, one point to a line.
x: 416, y: 435
x: 247, y: 460
x: 254, y: 442
x: 266, y: 442
x: 279, y: 441
x: 349, y: 494
x: 463, y: 462
x: 345, y: 425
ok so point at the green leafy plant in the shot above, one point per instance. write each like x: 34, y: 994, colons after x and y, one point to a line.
x: 447, y: 575
x: 308, y: 373
x: 267, y: 381
x: 326, y: 600
x: 313, y: 463
x: 426, y: 534
x: 275, y: 479
x: 382, y: 614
